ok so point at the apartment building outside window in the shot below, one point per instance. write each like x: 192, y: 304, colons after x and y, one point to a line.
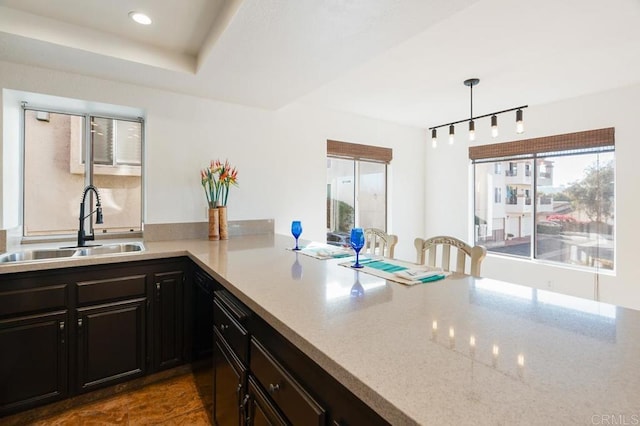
x: 561, y: 209
x: 66, y: 151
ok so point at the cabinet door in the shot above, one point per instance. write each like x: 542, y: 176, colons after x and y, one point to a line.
x: 203, y: 287
x: 168, y: 319
x: 111, y: 343
x: 33, y: 361
x: 260, y: 411
x: 229, y: 385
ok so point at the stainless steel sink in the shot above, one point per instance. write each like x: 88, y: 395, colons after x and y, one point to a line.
x: 21, y: 256
x: 56, y: 253
x: 110, y: 249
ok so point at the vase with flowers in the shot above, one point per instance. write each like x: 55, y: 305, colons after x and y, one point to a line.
x: 216, y: 181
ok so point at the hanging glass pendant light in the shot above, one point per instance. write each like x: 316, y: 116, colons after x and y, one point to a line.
x: 494, y: 126
x: 519, y: 122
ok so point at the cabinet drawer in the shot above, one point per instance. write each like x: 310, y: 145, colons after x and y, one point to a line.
x: 261, y: 411
x: 33, y: 299
x: 296, y: 404
x: 234, y: 334
x: 111, y: 289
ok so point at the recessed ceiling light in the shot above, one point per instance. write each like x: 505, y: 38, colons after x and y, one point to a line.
x: 140, y: 18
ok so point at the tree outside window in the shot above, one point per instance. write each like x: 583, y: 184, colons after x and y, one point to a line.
x: 562, y: 209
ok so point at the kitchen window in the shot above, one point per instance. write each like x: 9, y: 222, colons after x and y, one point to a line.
x: 66, y: 151
x: 356, y: 189
x: 562, y: 209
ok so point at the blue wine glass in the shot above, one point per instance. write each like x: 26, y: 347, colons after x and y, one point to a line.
x: 357, y: 242
x: 296, y: 230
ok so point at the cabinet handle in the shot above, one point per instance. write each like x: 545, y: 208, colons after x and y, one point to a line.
x: 223, y: 327
x: 158, y: 286
x: 274, y: 388
x: 244, y: 401
x: 79, y: 322
x: 61, y: 327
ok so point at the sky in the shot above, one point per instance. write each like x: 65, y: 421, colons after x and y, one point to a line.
x: 568, y: 169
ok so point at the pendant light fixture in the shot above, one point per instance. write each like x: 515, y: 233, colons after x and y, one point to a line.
x: 519, y: 122
x: 472, y: 126
x: 471, y: 82
x: 494, y: 126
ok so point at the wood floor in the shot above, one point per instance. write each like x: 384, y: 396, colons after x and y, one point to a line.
x: 185, y: 399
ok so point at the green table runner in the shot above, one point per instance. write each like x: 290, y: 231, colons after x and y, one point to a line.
x: 387, y: 269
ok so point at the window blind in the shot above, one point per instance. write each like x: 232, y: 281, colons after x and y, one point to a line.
x: 359, y: 152
x: 590, y: 139
x: 128, y: 142
x: 102, y: 138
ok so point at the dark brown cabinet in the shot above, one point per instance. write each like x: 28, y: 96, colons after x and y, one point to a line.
x: 202, y: 315
x: 287, y: 394
x: 33, y: 360
x: 110, y: 343
x: 283, y: 386
x: 301, y: 389
x: 68, y: 331
x: 34, y: 341
x: 110, y: 328
x: 230, y: 359
x: 260, y: 410
x: 261, y: 378
x: 250, y: 386
x: 229, y: 381
x: 168, y: 319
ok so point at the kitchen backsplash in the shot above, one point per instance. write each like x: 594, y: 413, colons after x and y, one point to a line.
x: 195, y: 230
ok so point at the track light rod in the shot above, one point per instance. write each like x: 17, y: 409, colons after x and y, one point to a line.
x: 479, y: 116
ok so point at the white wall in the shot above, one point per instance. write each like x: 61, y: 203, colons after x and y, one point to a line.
x: 11, y: 166
x: 281, y: 155
x: 616, y: 108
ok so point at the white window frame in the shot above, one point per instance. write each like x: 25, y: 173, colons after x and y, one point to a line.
x: 59, y: 105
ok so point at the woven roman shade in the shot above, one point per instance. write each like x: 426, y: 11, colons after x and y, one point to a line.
x: 356, y: 151
x: 569, y: 141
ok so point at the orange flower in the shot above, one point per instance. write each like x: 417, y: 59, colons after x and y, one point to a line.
x: 216, y: 181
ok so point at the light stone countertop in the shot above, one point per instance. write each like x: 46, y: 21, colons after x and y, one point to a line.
x: 456, y: 351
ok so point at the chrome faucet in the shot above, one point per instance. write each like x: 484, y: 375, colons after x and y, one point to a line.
x: 82, y: 238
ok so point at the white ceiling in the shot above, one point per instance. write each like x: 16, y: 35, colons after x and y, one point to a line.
x: 398, y: 60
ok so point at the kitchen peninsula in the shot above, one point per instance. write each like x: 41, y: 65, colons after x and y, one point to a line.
x: 456, y: 351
